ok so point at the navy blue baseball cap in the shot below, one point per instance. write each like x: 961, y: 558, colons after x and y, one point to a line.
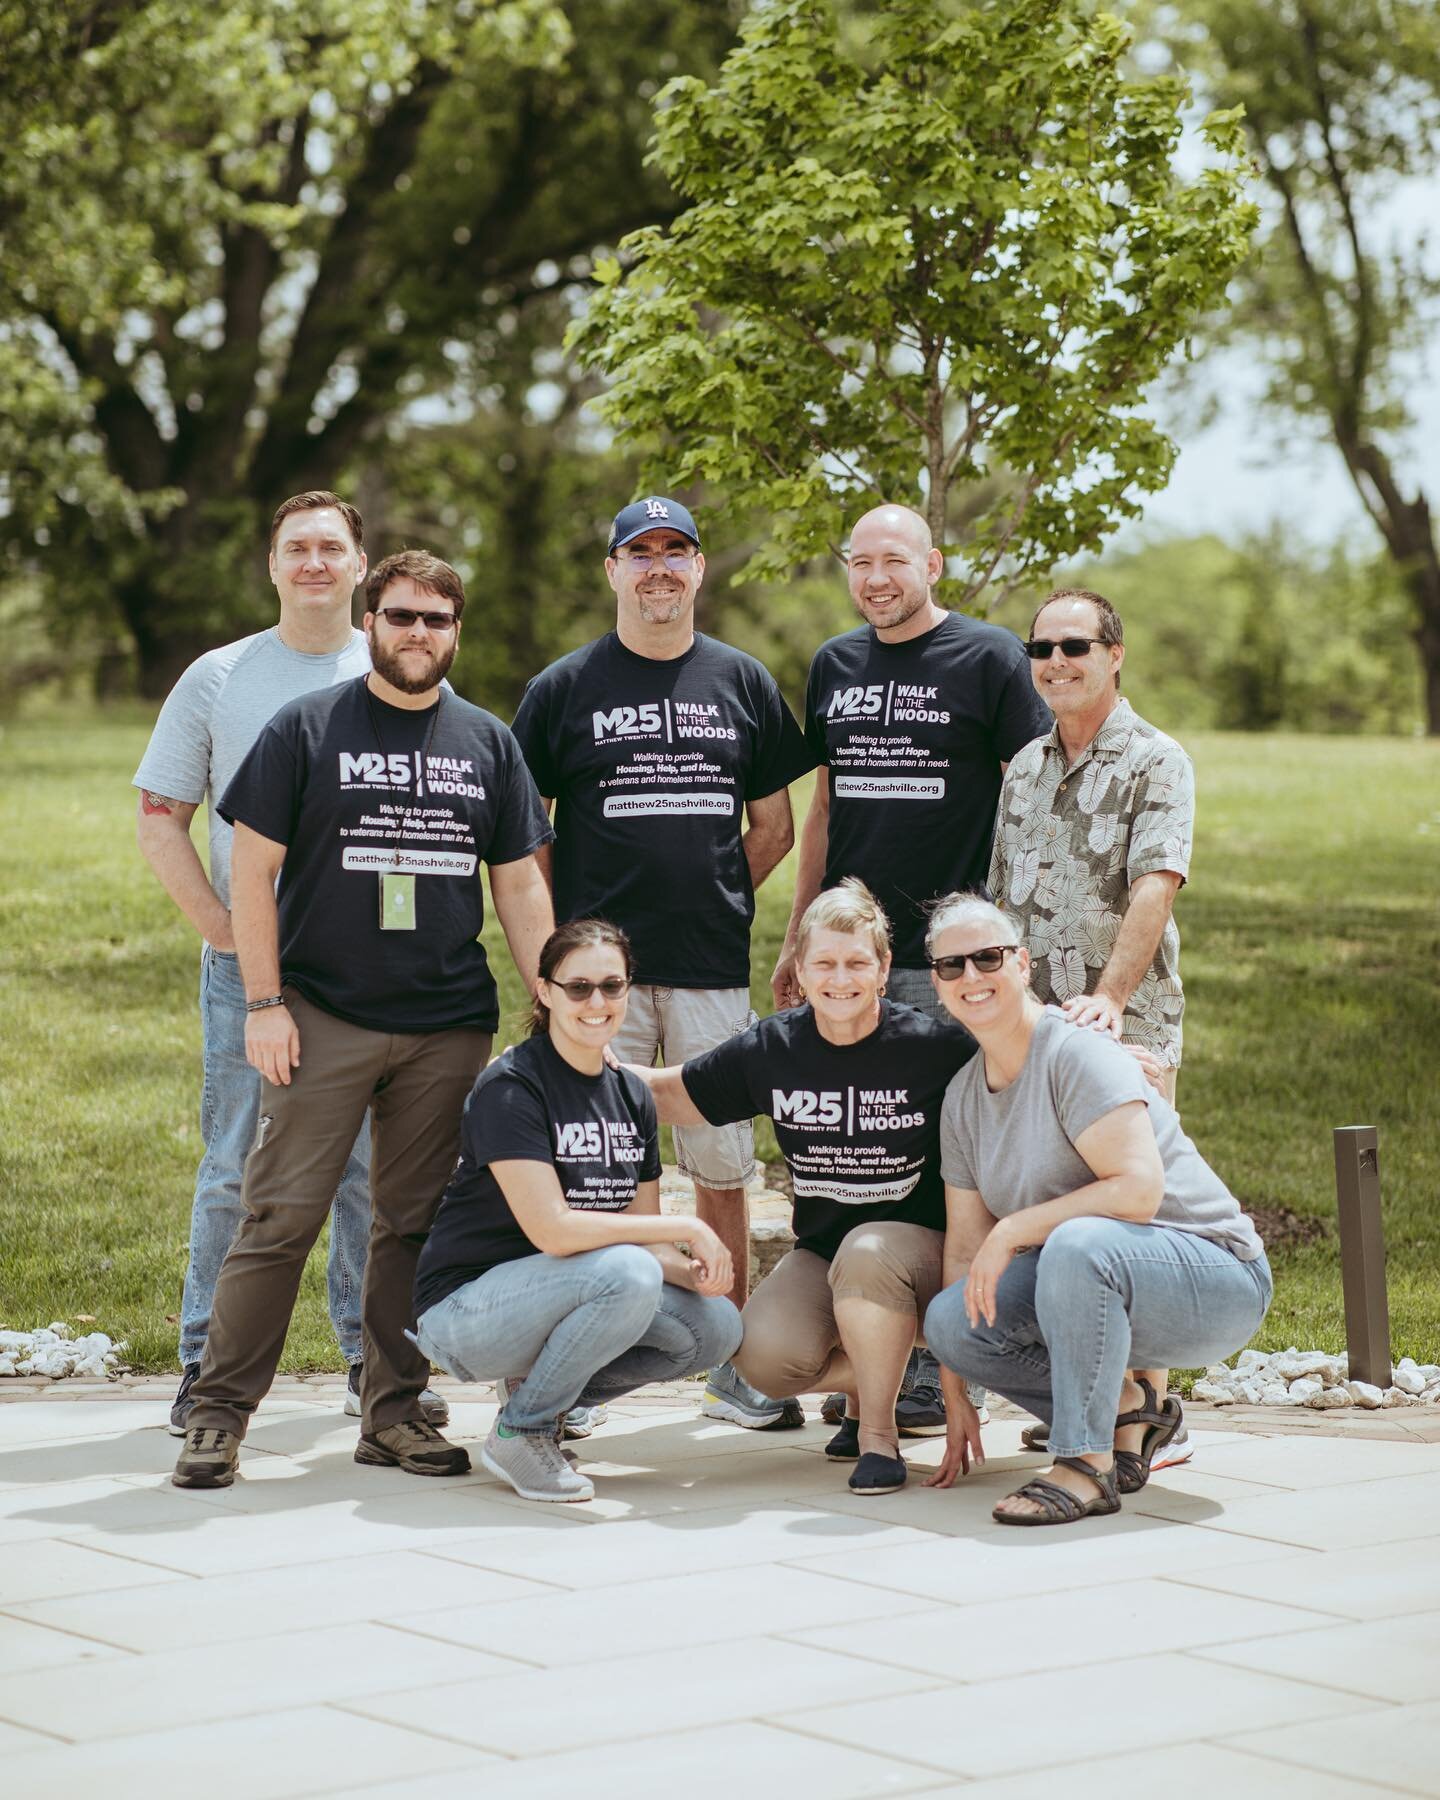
x: 653, y: 513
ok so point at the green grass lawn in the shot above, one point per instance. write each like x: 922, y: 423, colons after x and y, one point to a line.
x: 1310, y: 962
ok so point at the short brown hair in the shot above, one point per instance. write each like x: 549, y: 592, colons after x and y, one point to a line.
x: 308, y: 502
x: 1108, y: 623
x: 848, y: 906
x: 419, y: 566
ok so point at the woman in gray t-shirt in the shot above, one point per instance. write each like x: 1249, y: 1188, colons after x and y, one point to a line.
x: 1086, y: 1235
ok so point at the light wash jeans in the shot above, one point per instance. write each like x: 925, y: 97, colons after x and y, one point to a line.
x: 578, y: 1329
x: 1099, y: 1297
x: 229, y: 1109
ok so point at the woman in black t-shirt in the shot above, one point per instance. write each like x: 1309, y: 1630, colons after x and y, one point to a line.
x: 549, y: 1265
x: 854, y: 1085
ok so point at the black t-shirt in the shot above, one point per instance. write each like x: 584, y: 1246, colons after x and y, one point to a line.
x: 858, y: 1124
x: 597, y: 1131
x: 650, y: 764
x: 914, y: 735
x: 353, y: 788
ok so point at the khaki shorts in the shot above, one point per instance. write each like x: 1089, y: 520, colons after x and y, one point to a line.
x: 671, y: 1025
x: 790, y: 1328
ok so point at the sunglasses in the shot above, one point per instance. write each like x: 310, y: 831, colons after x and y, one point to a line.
x: 404, y: 617
x: 986, y: 962
x: 612, y: 987
x: 1039, y: 649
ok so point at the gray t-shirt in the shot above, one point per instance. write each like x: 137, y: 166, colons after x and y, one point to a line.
x: 218, y: 708
x: 1017, y: 1148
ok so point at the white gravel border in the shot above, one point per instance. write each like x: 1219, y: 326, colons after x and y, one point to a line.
x: 1315, y: 1379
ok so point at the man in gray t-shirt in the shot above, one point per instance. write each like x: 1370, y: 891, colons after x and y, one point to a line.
x: 207, y: 725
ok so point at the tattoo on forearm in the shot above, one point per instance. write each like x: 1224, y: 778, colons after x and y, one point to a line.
x: 156, y: 803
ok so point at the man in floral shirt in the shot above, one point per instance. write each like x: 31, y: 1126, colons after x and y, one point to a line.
x: 1093, y: 837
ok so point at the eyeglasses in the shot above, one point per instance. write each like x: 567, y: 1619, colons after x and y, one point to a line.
x: 986, y: 962
x: 674, y: 560
x: 403, y: 618
x: 1038, y: 649
x: 612, y: 987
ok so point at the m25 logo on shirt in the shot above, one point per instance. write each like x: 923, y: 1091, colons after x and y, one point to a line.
x: 802, y: 1106
x: 856, y: 702
x: 626, y: 721
x: 371, y: 769
x: 578, y: 1140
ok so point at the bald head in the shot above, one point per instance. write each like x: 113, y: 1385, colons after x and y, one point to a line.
x: 895, y: 521
x: 894, y: 566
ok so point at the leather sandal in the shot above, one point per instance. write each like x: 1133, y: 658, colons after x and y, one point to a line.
x: 1162, y: 1419
x: 1060, y: 1506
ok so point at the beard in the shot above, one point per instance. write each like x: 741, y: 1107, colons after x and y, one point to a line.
x: 908, y: 608
x: 407, y: 673
x: 660, y: 606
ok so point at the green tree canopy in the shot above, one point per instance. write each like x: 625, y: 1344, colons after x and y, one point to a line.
x: 1341, y: 101
x: 930, y: 253
x: 242, y: 239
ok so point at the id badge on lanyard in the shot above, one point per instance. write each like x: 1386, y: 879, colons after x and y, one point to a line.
x: 397, y: 901
x: 397, y: 891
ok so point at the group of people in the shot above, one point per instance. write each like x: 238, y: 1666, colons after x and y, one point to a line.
x: 978, y: 1177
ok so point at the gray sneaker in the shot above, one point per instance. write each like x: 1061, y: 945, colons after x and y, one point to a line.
x: 504, y: 1389
x: 534, y: 1467
x: 580, y: 1421
x: 728, y: 1397
x: 435, y: 1407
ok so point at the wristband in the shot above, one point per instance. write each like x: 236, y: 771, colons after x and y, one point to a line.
x: 260, y: 1005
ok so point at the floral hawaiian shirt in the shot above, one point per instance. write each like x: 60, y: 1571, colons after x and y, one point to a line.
x: 1070, y: 840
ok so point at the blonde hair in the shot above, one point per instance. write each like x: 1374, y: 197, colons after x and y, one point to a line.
x: 848, y: 907
x: 966, y: 909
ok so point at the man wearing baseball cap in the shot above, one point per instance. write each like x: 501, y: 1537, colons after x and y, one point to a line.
x: 668, y: 756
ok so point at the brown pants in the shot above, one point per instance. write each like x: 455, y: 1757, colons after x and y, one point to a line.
x: 415, y: 1086
x: 790, y: 1328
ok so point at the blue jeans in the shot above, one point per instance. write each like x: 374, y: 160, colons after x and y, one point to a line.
x: 579, y: 1329
x: 1098, y: 1297
x: 229, y: 1109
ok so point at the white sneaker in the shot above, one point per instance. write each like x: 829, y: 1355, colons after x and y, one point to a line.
x: 435, y: 1407
x: 534, y: 1467
x: 1179, y: 1450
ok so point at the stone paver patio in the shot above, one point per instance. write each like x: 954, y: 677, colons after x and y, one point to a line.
x: 725, y: 1619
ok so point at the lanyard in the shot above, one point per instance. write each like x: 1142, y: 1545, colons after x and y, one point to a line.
x: 406, y: 816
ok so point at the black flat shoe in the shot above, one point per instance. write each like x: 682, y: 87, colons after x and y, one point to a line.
x: 876, y: 1474
x: 845, y: 1445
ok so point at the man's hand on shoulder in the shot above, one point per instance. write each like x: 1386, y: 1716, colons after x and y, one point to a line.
x: 272, y: 1043
x: 1097, y: 1011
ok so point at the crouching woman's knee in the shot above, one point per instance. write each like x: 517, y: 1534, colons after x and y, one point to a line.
x: 629, y: 1270
x: 949, y: 1333
x: 871, y: 1265
x: 717, y: 1327
x: 1076, y: 1256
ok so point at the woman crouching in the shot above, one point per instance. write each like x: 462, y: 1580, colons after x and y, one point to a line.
x: 853, y: 1084
x: 549, y: 1264
x: 1086, y: 1234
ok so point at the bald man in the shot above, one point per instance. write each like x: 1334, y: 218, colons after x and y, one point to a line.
x: 913, y: 717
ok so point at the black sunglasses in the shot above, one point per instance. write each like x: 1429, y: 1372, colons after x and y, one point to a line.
x: 987, y: 961
x: 612, y: 987
x: 404, y: 617
x: 1039, y: 649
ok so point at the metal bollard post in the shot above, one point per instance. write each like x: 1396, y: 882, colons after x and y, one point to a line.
x: 1362, y: 1253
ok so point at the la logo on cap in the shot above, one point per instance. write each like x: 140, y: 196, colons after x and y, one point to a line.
x: 656, y: 509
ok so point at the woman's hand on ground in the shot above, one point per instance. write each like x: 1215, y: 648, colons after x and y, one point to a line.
x: 963, y: 1449
x: 987, y: 1265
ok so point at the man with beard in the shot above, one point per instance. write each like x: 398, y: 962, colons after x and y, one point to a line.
x: 210, y: 720
x: 653, y: 741
x: 912, y: 717
x: 373, y: 803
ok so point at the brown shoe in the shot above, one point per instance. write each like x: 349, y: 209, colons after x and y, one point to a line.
x: 414, y: 1446
x: 209, y: 1459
